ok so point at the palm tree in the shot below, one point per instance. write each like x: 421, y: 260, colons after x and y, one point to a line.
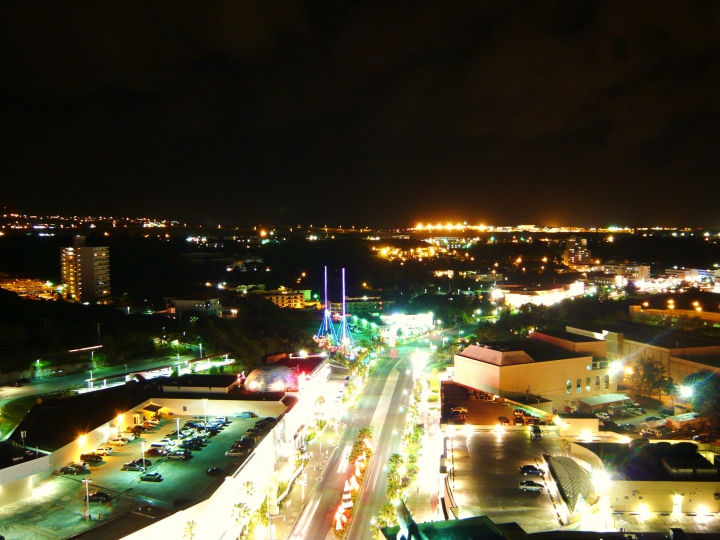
x: 365, y: 432
x: 190, y: 530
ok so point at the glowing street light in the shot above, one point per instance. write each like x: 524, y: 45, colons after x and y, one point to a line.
x: 686, y: 392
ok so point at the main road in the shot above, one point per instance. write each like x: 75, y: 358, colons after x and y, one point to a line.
x: 378, y: 407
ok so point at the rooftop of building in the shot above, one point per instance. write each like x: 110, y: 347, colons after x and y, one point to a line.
x: 517, y: 351
x: 645, y: 462
x: 658, y: 336
x: 196, y: 380
x: 56, y: 422
x: 568, y: 336
x: 710, y: 360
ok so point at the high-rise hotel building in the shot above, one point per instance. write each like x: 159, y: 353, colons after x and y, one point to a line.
x: 576, y: 252
x: 85, y: 272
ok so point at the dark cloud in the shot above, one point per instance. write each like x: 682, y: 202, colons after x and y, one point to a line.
x: 363, y: 112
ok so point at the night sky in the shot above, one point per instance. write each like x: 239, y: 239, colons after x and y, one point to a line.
x: 363, y: 113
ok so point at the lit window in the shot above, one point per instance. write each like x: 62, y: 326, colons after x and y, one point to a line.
x: 597, y: 383
x: 569, y: 387
x: 578, y: 385
x: 607, y: 382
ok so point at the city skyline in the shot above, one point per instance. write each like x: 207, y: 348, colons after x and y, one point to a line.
x: 367, y: 114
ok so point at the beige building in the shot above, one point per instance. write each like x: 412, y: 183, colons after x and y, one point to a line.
x: 680, y: 353
x: 284, y: 298
x: 85, y: 272
x: 556, y: 367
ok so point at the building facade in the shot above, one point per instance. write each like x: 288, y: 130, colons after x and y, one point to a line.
x: 576, y: 252
x: 85, y: 272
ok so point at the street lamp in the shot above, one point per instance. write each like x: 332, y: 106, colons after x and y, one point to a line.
x: 204, y: 402
x: 90, y: 382
x: 87, y: 481
x: 142, y: 446
x: 177, y: 425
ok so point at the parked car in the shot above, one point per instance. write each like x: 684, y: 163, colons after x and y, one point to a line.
x: 248, y: 414
x: 536, y: 433
x: 651, y: 433
x: 118, y: 442
x: 23, y: 380
x: 15, y: 385
x: 215, y: 471
x: 180, y: 455
x: 627, y: 428
x: 702, y: 438
x: 147, y: 463
x: 518, y: 412
x: 104, y: 451
x: 518, y: 421
x: 459, y: 410
x: 156, y: 451
x: 504, y: 420
x: 529, y: 485
x: 151, y: 477
x: 132, y: 466
x: 69, y: 469
x: 235, y: 452
x: 152, y: 421
x: 531, y: 469
x: 99, y: 496
x: 92, y: 457
x: 603, y: 416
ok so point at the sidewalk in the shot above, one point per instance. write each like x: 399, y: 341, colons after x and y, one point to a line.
x: 321, y: 447
x: 422, y: 498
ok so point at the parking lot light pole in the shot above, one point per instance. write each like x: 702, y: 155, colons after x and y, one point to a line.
x: 177, y: 425
x: 87, y: 496
x: 142, y: 445
x: 204, y: 402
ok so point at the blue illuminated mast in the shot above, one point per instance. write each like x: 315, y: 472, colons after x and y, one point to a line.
x: 326, y: 331
x: 346, y: 340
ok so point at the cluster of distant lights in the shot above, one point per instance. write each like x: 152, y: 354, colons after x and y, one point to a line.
x: 516, y: 228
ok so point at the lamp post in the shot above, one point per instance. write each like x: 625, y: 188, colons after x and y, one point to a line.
x: 87, y: 496
x: 204, y: 402
x: 177, y: 425
x: 686, y: 392
x: 142, y: 446
x: 90, y: 382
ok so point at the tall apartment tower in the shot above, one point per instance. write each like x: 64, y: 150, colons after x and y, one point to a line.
x: 576, y: 251
x: 85, y: 272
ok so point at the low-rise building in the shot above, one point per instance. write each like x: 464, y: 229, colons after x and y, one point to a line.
x: 540, y: 367
x: 201, y: 303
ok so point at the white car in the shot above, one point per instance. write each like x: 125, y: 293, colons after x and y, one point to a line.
x: 603, y: 416
x: 651, y: 433
x: 104, y: 451
x: 118, y: 442
x: 152, y: 421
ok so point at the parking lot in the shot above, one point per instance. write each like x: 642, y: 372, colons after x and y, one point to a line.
x: 181, y: 479
x: 486, y: 477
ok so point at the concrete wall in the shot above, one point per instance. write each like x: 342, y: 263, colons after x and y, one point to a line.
x: 546, y: 379
x: 575, y: 427
x: 477, y: 375
x: 194, y: 407
x: 664, y: 496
